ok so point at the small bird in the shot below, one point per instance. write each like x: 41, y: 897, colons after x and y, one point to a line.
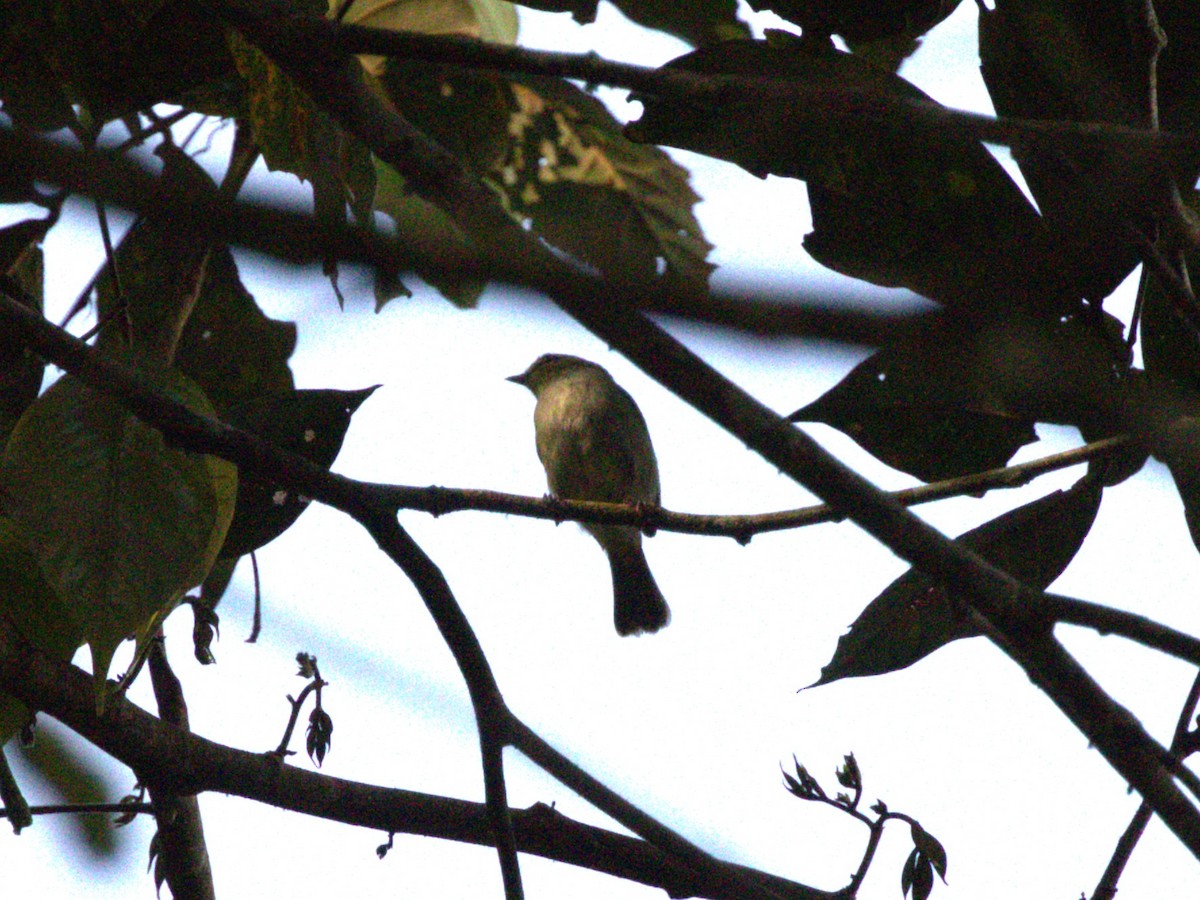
x: 594, y: 445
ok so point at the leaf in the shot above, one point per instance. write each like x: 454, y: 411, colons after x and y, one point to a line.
x: 560, y: 164
x: 72, y: 773
x: 296, y: 135
x: 625, y: 208
x: 312, y: 423
x: 698, y: 22
x: 1071, y: 60
x: 35, y: 610
x: 922, y: 877
x: 21, y: 371
x: 160, y: 263
x: 1170, y: 343
x: 955, y: 397
x: 896, y: 200
x: 930, y: 848
x: 229, y: 347
x: 111, y: 58
x: 861, y: 20
x: 914, y: 615
x: 1178, y: 445
x: 121, y: 523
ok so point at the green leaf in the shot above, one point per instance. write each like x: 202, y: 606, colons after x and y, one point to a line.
x: 896, y: 200
x: 298, y: 136
x: 914, y: 615
x: 33, y: 607
x: 925, y: 406
x: 229, y: 347
x: 121, y: 523
x: 312, y: 423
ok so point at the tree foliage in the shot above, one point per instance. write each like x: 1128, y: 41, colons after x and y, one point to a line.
x: 437, y: 147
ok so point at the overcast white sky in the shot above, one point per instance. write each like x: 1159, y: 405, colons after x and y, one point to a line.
x: 691, y: 723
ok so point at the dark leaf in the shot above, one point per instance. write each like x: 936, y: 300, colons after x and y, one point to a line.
x: 848, y: 775
x: 698, y: 22
x: 35, y: 609
x: 861, y: 20
x: 1179, y: 447
x: 922, y: 878
x: 111, y: 58
x: 1170, y: 343
x: 229, y: 346
x: 21, y: 372
x: 954, y: 398
x: 312, y: 423
x: 895, y: 199
x: 307, y: 664
x: 1075, y: 61
x: 907, y: 873
x: 161, y: 265
x: 319, y: 736
x: 915, y: 616
x: 931, y: 849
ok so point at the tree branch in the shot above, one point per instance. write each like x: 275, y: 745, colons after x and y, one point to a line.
x: 184, y: 763
x: 181, y: 846
x: 1010, y: 614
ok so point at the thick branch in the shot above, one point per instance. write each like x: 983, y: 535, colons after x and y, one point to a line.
x: 183, y: 763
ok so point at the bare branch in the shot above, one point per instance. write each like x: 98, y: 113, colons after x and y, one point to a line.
x: 185, y: 763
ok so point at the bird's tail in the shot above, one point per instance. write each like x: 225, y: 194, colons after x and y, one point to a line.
x: 638, y: 604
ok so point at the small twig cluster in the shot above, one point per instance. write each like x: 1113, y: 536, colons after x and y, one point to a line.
x: 927, y: 857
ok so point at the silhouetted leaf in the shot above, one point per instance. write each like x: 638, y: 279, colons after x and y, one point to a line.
x: 698, y: 22
x: 931, y: 848
x: 110, y: 58
x: 861, y: 20
x: 896, y: 199
x: 951, y: 398
x: 1170, y: 343
x: 312, y: 423
x: 161, y: 263
x: 1179, y: 447
x: 229, y: 346
x: 915, y: 615
x: 1073, y: 60
x: 21, y: 372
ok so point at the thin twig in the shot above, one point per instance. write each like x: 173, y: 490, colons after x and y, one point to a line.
x: 442, y: 500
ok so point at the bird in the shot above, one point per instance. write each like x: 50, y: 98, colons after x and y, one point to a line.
x: 594, y: 445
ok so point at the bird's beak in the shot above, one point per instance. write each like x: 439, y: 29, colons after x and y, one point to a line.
x: 521, y: 379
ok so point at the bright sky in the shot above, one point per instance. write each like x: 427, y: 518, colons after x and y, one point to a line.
x: 691, y: 723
